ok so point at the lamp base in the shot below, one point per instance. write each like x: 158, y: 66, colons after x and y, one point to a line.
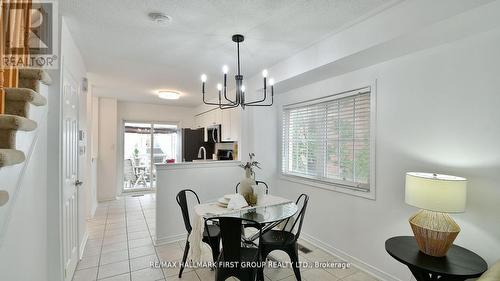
x: 434, y: 232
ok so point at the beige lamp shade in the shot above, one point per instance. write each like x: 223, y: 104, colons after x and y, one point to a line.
x: 435, y: 192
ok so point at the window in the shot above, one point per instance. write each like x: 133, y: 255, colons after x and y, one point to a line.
x: 328, y: 140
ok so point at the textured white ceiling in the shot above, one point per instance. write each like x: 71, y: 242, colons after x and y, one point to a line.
x: 129, y: 56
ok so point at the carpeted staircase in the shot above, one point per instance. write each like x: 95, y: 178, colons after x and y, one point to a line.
x: 16, y: 118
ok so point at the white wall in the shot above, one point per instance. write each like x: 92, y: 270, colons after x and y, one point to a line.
x: 132, y: 111
x: 437, y: 111
x: 107, y: 158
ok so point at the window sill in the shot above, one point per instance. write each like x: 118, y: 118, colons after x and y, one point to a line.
x: 331, y: 186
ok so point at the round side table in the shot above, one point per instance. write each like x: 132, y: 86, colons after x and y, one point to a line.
x: 458, y: 264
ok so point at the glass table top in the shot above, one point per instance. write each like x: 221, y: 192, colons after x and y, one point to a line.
x: 264, y: 214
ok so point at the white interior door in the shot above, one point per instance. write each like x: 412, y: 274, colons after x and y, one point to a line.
x: 70, y: 175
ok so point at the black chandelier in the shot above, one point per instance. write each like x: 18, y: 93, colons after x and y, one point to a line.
x: 240, y: 88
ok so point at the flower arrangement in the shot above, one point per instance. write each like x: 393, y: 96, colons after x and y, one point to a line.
x: 250, y: 164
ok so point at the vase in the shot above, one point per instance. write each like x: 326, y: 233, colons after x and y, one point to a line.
x: 245, y: 188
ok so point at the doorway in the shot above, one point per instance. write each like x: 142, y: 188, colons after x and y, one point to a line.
x: 146, y: 144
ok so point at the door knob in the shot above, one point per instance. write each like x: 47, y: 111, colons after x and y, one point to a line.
x: 78, y: 183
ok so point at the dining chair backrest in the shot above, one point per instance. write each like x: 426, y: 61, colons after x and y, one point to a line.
x: 258, y: 183
x: 129, y: 171
x: 290, y: 224
x: 182, y: 200
x: 231, y: 233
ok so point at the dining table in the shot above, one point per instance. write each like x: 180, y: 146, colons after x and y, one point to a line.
x: 270, y: 212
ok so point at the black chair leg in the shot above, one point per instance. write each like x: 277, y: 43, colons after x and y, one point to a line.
x: 215, y: 244
x: 293, y: 253
x: 184, y: 258
x: 260, y: 274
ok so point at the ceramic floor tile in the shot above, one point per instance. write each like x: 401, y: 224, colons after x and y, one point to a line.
x: 138, y: 235
x: 147, y: 274
x: 89, y: 274
x: 113, y: 247
x: 121, y: 277
x: 114, y: 257
x: 88, y: 262
x: 174, y: 270
x: 92, y: 252
x: 141, y: 251
x: 113, y: 269
x: 187, y: 276
x: 142, y: 262
x: 114, y: 239
x: 140, y: 242
x: 170, y: 252
x: 205, y: 274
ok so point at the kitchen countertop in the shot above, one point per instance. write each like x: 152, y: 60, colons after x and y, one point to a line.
x: 197, y: 164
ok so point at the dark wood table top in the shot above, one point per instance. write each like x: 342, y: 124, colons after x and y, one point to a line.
x: 457, y: 262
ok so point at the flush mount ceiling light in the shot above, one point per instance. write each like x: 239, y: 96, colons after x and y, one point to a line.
x: 240, y: 88
x: 160, y: 18
x: 168, y: 95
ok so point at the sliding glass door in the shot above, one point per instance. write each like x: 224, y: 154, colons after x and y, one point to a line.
x: 147, y: 144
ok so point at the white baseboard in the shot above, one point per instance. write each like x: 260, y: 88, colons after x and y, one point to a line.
x: 83, y: 244
x: 169, y: 239
x: 378, y: 273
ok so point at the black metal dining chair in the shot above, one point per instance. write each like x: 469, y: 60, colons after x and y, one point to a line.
x: 233, y: 253
x: 286, y: 239
x: 214, y: 230
x: 257, y: 182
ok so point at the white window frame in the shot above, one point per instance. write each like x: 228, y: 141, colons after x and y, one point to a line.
x: 336, y: 185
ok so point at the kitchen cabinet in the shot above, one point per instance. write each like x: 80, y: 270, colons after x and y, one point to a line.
x: 229, y: 119
x: 230, y: 125
x: 198, y: 122
x: 207, y: 119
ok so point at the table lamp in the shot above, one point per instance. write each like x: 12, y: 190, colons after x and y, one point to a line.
x: 436, y: 195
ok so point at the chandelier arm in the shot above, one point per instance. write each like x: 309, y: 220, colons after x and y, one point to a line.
x: 225, y: 106
x: 255, y: 103
x: 227, y: 99
x: 263, y: 99
x: 228, y: 106
x: 206, y: 102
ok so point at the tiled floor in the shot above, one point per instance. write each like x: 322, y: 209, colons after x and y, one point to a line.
x: 120, y: 248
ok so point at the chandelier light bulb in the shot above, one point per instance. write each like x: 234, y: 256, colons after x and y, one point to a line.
x: 264, y: 73
x: 219, y: 86
x: 271, y: 81
x: 225, y: 69
x: 243, y: 88
x: 203, y: 78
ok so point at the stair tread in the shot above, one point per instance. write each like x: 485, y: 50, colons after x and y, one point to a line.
x: 14, y: 122
x: 9, y: 157
x: 25, y: 94
x: 36, y: 74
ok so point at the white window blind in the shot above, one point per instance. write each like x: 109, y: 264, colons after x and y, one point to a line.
x: 328, y: 139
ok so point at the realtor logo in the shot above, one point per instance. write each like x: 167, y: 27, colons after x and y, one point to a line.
x: 29, y: 34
